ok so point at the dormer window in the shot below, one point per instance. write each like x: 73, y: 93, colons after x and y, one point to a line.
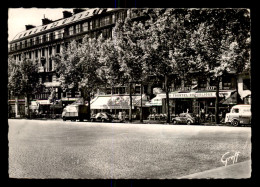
x: 73, y: 18
x: 54, y: 24
x: 43, y: 28
x: 35, y: 31
x: 64, y: 21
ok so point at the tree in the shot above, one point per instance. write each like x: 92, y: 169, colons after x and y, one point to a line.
x: 79, y: 67
x: 128, y: 39
x: 23, y: 79
x: 166, y: 46
x: 222, y: 44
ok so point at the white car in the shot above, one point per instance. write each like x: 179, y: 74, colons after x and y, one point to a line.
x: 239, y: 114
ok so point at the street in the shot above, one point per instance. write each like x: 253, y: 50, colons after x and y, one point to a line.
x: 58, y: 149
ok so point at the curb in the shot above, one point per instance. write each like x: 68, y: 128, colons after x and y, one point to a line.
x: 235, y: 171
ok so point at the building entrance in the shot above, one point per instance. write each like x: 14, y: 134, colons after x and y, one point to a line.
x: 183, y: 106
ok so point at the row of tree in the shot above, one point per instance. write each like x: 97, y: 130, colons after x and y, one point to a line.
x: 183, y: 42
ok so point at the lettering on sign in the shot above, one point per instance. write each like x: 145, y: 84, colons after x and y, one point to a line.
x: 228, y: 158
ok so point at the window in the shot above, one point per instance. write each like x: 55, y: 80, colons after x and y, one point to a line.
x: 30, y: 54
x: 108, y: 90
x: 246, y: 84
x: 25, y: 43
x: 235, y: 110
x: 90, y: 25
x: 113, y: 18
x: 51, y: 36
x: 78, y: 28
x: 36, y: 53
x: 15, y: 46
x: 44, y: 38
x: 226, y: 82
x: 64, y: 21
x: 54, y: 24
x: 43, y: 52
x: 50, y: 66
x: 58, y: 48
x: 71, y: 30
x: 73, y: 18
x: 85, y: 26
x: 31, y: 41
x: 202, y: 83
x: 43, y: 28
x: 37, y: 40
x: 137, y: 89
x: 50, y: 50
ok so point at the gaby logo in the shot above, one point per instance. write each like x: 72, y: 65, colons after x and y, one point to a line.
x: 229, y: 158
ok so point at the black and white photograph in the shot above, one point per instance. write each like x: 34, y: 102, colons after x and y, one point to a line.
x: 129, y: 93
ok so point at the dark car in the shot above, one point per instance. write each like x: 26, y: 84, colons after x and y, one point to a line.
x: 102, y: 116
x: 185, y: 118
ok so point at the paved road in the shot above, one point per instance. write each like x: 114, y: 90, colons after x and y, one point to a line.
x: 57, y: 149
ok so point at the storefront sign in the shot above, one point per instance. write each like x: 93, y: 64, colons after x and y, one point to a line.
x: 199, y: 95
x: 43, y: 102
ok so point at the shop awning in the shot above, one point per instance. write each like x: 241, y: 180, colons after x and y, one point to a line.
x: 156, y: 101
x: 115, y: 102
x: 232, y: 100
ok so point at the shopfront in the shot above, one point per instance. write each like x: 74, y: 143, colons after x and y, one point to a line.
x: 117, y: 103
x: 195, y: 101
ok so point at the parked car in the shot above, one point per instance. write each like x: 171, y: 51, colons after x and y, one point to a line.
x: 102, y: 116
x: 239, y: 114
x: 185, y: 118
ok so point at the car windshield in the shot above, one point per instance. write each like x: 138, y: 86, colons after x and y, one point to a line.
x: 191, y: 115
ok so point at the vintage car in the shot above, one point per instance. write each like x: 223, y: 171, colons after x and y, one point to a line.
x: 185, y: 118
x: 102, y: 116
x: 239, y: 114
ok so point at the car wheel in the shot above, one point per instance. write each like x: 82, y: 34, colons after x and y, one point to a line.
x: 235, y: 123
x: 64, y: 119
x: 92, y: 120
x: 102, y: 120
x: 174, y: 122
x: 188, y: 122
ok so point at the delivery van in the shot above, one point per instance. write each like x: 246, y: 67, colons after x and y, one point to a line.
x: 239, y: 114
x: 75, y: 112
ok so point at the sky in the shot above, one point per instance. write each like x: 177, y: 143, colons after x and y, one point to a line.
x: 19, y: 17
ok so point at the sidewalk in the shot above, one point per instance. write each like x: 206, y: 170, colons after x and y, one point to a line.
x: 235, y: 171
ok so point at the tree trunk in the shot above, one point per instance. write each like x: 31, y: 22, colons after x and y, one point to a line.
x: 27, y: 110
x: 130, y: 95
x: 217, y: 102
x: 141, y: 109
x: 89, y: 108
x: 16, y: 107
x: 167, y: 100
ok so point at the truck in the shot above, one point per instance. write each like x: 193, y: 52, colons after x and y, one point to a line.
x: 75, y: 112
x: 239, y: 114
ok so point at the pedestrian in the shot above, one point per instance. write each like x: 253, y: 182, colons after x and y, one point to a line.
x: 202, y: 114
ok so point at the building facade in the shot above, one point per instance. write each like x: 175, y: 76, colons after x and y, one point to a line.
x: 42, y: 43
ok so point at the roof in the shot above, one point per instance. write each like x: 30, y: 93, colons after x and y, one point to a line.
x: 59, y: 23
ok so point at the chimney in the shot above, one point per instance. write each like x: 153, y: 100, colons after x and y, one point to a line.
x: 66, y: 14
x: 78, y: 10
x: 46, y: 21
x: 27, y: 27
